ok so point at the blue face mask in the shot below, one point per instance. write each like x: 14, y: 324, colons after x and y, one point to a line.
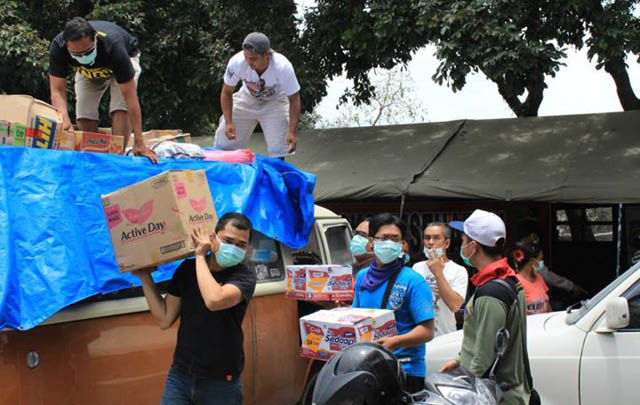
x: 229, y: 255
x: 465, y: 259
x: 387, y: 251
x: 359, y: 245
x: 540, y: 265
x: 87, y: 59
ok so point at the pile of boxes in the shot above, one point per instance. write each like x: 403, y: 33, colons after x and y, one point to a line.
x: 320, y: 283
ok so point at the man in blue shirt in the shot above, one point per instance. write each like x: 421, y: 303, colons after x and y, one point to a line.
x: 388, y: 283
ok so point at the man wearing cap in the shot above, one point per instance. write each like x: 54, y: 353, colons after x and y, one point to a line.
x: 498, y: 302
x: 269, y: 96
x: 104, y: 56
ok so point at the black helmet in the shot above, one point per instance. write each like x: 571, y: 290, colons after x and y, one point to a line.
x: 365, y: 373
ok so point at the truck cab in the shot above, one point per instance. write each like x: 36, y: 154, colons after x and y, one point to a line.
x: 108, y: 349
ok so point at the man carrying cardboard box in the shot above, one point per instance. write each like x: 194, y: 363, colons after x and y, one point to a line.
x: 103, y: 56
x: 210, y: 294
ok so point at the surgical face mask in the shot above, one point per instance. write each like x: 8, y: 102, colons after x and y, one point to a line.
x: 540, y: 266
x: 387, y: 251
x: 359, y: 245
x: 465, y: 259
x: 439, y: 252
x: 229, y: 255
x: 87, y: 59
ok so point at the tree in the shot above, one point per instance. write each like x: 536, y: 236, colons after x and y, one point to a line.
x: 393, y: 102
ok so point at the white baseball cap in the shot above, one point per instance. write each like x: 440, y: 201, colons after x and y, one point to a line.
x: 483, y: 227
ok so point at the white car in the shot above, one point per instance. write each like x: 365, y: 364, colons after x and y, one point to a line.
x: 589, y: 355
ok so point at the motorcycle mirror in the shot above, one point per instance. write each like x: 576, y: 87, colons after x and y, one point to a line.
x: 502, y: 339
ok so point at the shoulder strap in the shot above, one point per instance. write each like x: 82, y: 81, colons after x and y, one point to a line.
x: 390, y: 284
x: 499, y: 289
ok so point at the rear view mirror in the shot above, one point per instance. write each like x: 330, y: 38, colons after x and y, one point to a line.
x: 617, y: 313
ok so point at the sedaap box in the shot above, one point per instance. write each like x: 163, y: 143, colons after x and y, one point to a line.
x: 151, y: 222
x: 320, y: 282
x: 98, y: 142
x: 327, y: 332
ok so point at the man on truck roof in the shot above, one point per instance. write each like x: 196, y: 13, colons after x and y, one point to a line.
x: 210, y: 294
x: 103, y: 56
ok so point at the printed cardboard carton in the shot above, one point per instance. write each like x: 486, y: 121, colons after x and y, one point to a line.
x: 5, y: 133
x: 327, y: 332
x: 158, y: 135
x: 66, y: 141
x: 320, y: 282
x: 43, y: 132
x: 98, y: 142
x: 18, y: 134
x: 42, y: 121
x: 151, y: 222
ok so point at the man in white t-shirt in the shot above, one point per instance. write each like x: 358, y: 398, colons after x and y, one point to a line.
x: 448, y: 280
x: 270, y: 95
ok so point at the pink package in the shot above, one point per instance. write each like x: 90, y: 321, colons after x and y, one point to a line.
x: 230, y: 156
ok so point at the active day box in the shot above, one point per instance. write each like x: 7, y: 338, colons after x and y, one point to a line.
x: 151, y: 221
x: 327, y: 332
x: 320, y: 282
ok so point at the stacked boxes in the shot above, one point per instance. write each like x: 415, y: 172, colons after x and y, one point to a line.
x: 320, y: 282
x: 32, y: 122
x: 151, y: 222
x: 326, y: 332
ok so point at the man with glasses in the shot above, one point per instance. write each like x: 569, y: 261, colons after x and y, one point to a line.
x: 103, y: 56
x: 387, y: 283
x: 270, y: 95
x: 210, y: 294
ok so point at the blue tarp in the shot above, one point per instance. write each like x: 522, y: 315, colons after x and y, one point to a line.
x: 55, y: 247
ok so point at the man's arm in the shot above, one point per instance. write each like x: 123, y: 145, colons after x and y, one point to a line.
x: 58, y: 86
x: 422, y: 333
x: 294, y: 117
x: 215, y: 296
x: 130, y: 95
x: 226, y: 103
x: 165, y: 310
x: 450, y: 297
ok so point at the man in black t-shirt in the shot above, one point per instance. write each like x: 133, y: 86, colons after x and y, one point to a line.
x: 103, y: 56
x: 210, y: 294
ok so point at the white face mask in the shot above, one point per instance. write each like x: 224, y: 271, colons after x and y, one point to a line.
x: 438, y: 252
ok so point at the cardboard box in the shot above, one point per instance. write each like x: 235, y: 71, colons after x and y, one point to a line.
x: 158, y: 135
x: 42, y: 121
x: 327, y: 332
x: 151, y: 222
x: 5, y: 133
x: 66, y: 141
x: 98, y: 142
x: 320, y: 282
x: 18, y: 134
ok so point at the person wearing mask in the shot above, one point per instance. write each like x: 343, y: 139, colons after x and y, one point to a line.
x: 361, y: 247
x: 270, y: 95
x: 388, y: 283
x: 447, y: 279
x: 498, y: 302
x: 552, y: 279
x: 527, y: 260
x: 104, y: 56
x: 210, y: 295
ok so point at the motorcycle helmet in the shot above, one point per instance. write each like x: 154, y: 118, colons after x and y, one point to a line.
x: 362, y: 374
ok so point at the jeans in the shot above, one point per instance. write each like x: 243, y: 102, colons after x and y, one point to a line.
x: 185, y: 389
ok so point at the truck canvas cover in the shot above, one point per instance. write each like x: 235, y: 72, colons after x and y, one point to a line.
x: 55, y: 247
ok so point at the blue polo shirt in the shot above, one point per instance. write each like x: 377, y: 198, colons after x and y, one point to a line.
x: 412, y: 303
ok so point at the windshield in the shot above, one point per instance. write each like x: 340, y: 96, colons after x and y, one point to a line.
x: 575, y: 316
x: 338, y: 238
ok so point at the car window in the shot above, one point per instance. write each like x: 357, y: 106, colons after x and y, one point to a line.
x: 265, y: 258
x: 633, y: 299
x: 338, y: 237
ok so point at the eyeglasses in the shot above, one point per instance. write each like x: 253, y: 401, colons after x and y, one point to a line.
x: 86, y: 51
x: 360, y: 233
x: 384, y: 238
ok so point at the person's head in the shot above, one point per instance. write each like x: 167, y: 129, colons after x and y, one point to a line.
x: 525, y: 257
x: 257, y: 50
x: 388, y: 233
x: 436, y: 239
x: 483, y: 238
x: 81, y: 40
x: 361, y: 242
x: 233, y: 231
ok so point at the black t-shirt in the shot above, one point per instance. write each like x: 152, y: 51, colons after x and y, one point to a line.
x: 210, y: 343
x: 115, y: 47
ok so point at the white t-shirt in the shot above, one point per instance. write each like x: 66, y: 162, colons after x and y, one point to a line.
x: 457, y: 278
x: 278, y: 79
